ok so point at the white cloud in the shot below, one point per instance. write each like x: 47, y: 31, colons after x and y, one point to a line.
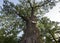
x: 54, y: 14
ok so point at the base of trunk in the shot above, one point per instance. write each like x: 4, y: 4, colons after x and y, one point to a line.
x: 34, y: 38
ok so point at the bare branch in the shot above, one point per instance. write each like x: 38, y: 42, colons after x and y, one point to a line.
x: 30, y: 3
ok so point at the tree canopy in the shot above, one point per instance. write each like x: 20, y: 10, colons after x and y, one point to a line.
x: 27, y: 16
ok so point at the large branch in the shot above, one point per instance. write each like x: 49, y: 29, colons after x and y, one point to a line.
x: 53, y: 36
x: 32, y: 9
x: 25, y: 18
x: 30, y: 4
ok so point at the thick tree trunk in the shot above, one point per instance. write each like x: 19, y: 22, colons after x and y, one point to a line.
x: 31, y: 33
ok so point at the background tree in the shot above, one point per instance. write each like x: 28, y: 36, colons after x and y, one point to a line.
x: 8, y: 29
x: 48, y: 30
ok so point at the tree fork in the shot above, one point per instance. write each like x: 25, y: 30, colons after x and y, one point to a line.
x: 31, y: 33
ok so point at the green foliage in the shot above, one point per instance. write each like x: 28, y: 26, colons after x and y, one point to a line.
x: 13, y: 19
x: 9, y: 29
x: 48, y: 29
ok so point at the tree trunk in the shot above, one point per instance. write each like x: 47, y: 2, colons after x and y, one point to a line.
x: 31, y: 33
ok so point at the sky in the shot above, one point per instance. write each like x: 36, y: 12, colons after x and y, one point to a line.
x: 53, y: 14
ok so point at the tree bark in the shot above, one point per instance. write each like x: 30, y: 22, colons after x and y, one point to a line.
x: 31, y: 33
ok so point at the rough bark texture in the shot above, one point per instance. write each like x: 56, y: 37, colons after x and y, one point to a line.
x: 31, y: 33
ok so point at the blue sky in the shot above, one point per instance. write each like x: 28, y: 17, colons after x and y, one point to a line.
x: 15, y: 1
x: 1, y: 2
